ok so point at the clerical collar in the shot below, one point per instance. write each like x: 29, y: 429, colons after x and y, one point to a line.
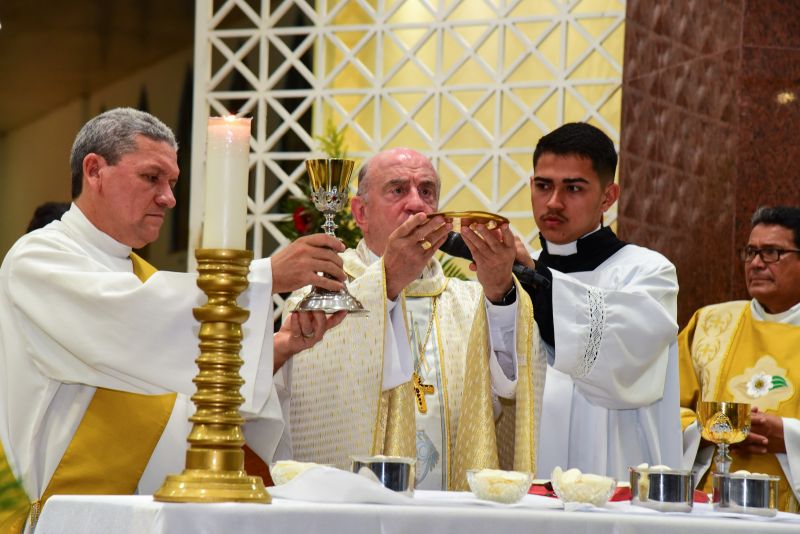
x: 585, y: 254
x: 565, y: 249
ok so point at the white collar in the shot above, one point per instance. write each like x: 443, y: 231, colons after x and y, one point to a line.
x: 790, y: 316
x: 81, y: 227
x: 567, y: 249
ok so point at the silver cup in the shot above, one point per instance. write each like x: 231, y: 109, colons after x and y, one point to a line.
x: 746, y: 494
x: 329, y: 181
x: 394, y: 472
x: 665, y: 491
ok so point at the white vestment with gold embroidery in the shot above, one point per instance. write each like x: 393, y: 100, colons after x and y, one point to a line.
x: 385, y: 349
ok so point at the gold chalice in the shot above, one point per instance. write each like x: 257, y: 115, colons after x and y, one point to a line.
x: 329, y: 181
x: 723, y: 423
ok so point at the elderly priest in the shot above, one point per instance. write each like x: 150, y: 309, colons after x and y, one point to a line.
x: 748, y: 351
x: 97, y: 349
x: 421, y: 376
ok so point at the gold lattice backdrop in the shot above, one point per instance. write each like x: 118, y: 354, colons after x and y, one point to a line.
x: 473, y: 84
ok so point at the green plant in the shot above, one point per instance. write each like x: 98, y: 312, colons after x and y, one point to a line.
x: 450, y: 269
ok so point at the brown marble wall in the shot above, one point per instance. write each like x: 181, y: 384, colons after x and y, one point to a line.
x: 710, y: 131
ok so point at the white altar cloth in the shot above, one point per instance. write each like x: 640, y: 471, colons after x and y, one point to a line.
x: 431, y: 512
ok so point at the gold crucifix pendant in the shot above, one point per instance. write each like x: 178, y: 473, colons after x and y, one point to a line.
x: 420, y: 390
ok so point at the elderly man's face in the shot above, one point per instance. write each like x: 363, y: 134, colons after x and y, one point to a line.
x: 776, y: 286
x: 134, y: 195
x: 402, y: 182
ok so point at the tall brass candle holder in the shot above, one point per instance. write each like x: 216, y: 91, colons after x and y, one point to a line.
x: 215, y: 460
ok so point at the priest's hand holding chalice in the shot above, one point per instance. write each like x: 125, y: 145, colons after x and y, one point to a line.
x: 723, y: 423
x: 329, y: 192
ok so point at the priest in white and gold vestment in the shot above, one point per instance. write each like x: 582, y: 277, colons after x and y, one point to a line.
x: 423, y: 375
x: 97, y: 349
x: 748, y: 351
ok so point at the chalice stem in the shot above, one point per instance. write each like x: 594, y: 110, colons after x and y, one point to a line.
x: 329, y: 225
x: 723, y: 459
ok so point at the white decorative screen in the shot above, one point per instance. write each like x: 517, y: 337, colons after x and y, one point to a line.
x: 472, y: 83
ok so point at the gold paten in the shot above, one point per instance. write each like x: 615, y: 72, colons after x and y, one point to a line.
x: 468, y: 218
x: 215, y: 460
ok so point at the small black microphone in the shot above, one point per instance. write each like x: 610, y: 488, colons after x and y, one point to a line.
x: 455, y: 246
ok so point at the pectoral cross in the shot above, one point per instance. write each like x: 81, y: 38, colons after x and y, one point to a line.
x: 420, y: 390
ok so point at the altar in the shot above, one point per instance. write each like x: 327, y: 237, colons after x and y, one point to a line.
x: 431, y: 512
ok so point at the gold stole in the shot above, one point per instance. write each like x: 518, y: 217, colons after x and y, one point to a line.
x: 512, y: 442
x: 476, y: 444
x: 110, y: 449
x: 744, y: 341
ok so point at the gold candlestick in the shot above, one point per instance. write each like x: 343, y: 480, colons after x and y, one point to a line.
x: 215, y: 460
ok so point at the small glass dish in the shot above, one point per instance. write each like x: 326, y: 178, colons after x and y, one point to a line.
x: 495, y: 485
x: 572, y: 486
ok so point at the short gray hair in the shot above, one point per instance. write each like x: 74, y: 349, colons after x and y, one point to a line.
x: 111, y: 135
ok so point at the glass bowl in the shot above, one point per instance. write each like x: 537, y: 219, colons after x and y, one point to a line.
x: 499, y: 486
x: 572, y: 486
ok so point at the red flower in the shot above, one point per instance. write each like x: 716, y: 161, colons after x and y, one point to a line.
x: 302, y: 222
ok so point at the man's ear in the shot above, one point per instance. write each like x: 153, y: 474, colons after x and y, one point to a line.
x: 358, y: 209
x: 92, y: 164
x: 610, y: 195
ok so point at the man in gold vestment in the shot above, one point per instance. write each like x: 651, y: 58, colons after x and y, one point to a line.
x: 747, y: 351
x: 423, y: 374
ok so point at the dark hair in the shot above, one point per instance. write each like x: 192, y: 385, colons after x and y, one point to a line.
x: 112, y: 135
x: 785, y: 216
x: 584, y: 140
x: 47, y: 213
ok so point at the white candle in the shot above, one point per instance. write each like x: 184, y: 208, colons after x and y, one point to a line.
x: 227, y: 167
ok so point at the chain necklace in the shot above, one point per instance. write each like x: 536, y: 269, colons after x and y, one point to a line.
x: 420, y: 389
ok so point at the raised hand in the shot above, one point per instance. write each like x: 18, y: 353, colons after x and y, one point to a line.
x: 301, y: 331
x: 300, y: 263
x: 493, y: 252
x: 409, y: 248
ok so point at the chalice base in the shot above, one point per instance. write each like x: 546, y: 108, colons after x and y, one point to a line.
x: 200, y: 485
x: 331, y: 302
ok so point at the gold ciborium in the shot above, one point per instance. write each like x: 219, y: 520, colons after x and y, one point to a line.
x: 329, y: 181
x: 723, y: 423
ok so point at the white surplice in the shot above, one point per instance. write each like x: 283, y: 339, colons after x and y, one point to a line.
x: 611, y: 396
x: 74, y: 317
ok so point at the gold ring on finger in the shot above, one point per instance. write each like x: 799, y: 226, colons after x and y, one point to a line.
x: 425, y: 244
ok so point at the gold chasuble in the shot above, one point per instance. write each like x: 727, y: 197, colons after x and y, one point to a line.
x: 107, y: 454
x: 338, y: 408
x: 726, y: 355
